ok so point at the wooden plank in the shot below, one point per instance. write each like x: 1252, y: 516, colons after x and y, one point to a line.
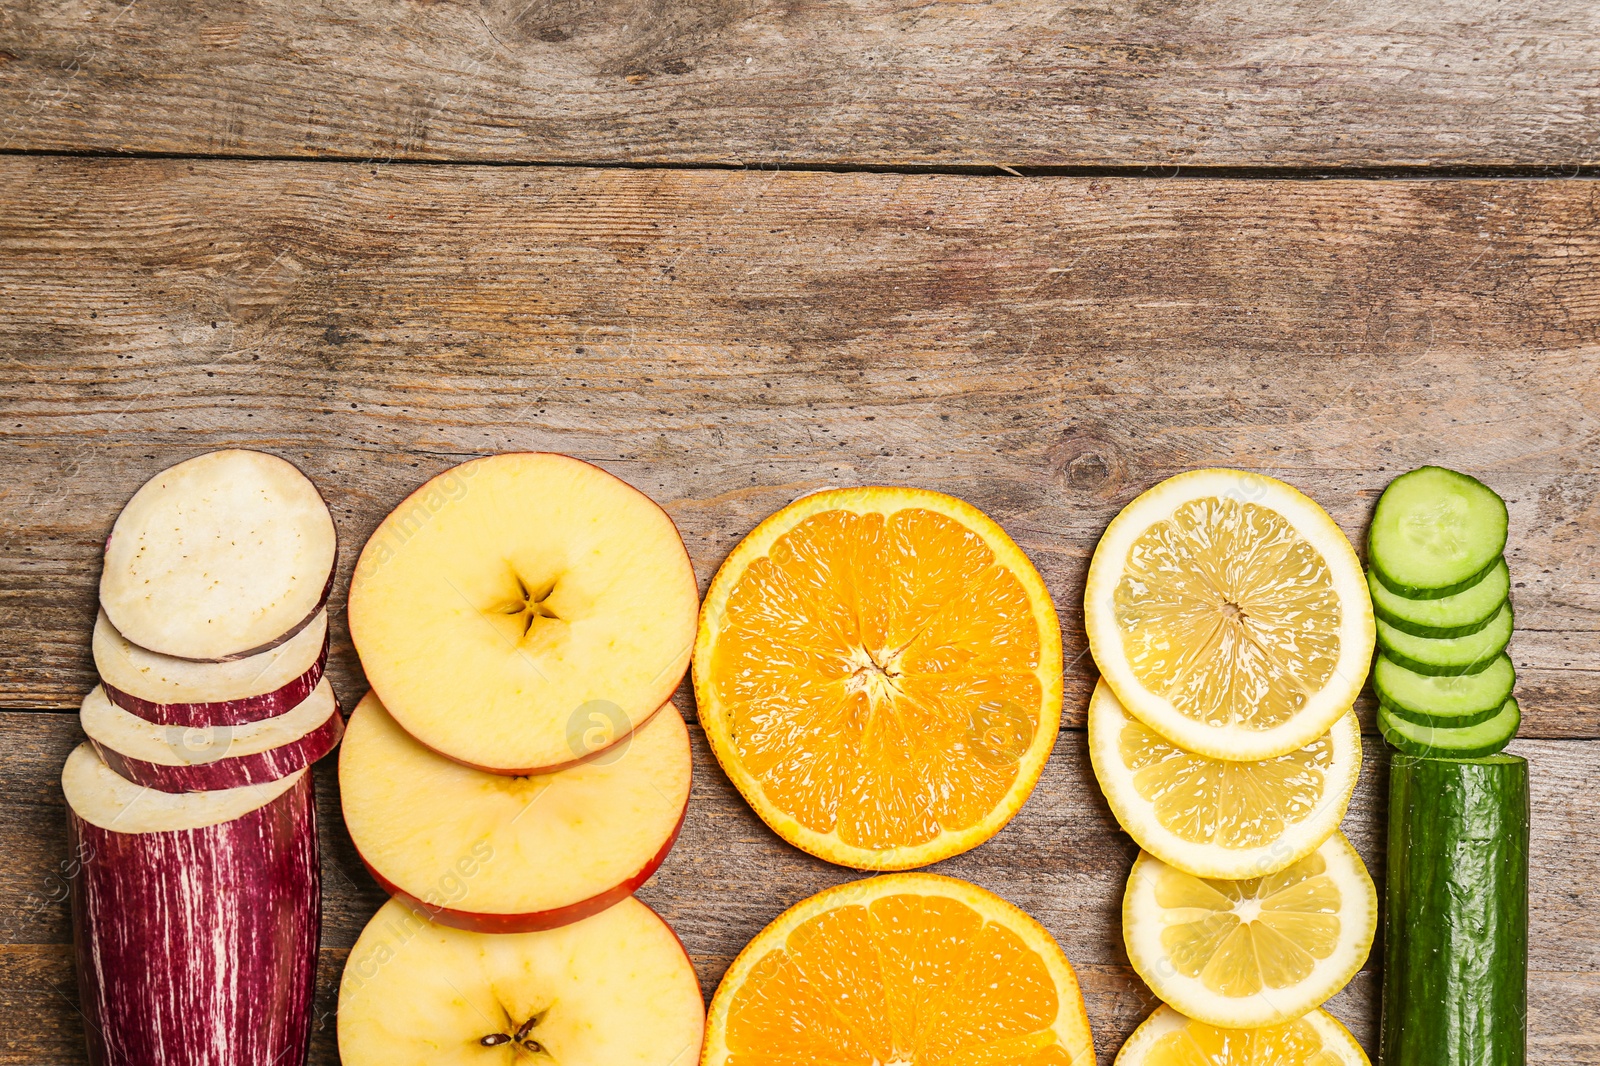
x: 1014, y: 82
x: 1062, y: 859
x: 1046, y: 348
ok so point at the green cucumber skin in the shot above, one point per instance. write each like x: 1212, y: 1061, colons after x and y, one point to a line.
x: 1456, y: 913
x: 1485, y: 655
x: 1405, y: 714
x: 1388, y: 611
x: 1435, y: 632
x: 1452, y: 741
x: 1416, y: 592
x: 1453, y: 671
x: 1388, y: 693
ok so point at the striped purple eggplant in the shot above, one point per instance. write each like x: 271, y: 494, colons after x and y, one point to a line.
x: 169, y: 691
x: 234, y: 771
x: 223, y: 712
x: 195, y: 918
x: 175, y: 759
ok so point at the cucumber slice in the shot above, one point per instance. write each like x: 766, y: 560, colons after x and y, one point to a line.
x: 1451, y: 742
x: 1435, y: 532
x: 1443, y: 699
x: 1448, y: 655
x: 1458, y: 615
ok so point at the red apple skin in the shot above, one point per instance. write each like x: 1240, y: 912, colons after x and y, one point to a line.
x: 230, y: 771
x: 224, y: 712
x: 534, y: 921
x: 148, y: 912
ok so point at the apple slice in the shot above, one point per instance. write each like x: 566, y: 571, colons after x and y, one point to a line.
x: 195, y: 918
x: 499, y: 854
x: 201, y: 759
x: 219, y: 557
x: 616, y: 989
x: 511, y: 598
x: 168, y: 691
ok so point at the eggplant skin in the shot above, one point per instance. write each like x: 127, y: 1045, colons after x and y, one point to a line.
x: 234, y: 771
x: 198, y: 947
x: 225, y: 712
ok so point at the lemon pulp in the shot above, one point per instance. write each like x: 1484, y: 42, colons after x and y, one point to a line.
x: 1240, y: 937
x: 1226, y: 611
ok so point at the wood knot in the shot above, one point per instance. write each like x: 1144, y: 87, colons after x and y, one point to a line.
x: 1088, y: 464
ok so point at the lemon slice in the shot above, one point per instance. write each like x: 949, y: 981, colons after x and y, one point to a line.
x: 1216, y: 817
x: 1239, y: 954
x: 1229, y: 614
x: 1167, y: 1038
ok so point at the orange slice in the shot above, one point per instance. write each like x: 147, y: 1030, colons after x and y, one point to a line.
x: 879, y: 672
x: 903, y: 970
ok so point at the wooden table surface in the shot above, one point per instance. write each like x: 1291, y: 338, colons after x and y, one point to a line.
x: 735, y: 251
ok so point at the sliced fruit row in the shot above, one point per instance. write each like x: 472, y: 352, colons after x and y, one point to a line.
x: 517, y: 772
x: 1232, y: 627
x: 1251, y: 952
x: 1441, y: 591
x: 878, y: 671
x: 1226, y: 586
x: 1221, y: 818
x: 511, y: 598
x: 1228, y: 613
x: 1256, y: 952
x: 501, y: 854
x: 514, y: 611
x: 616, y: 987
x: 198, y: 904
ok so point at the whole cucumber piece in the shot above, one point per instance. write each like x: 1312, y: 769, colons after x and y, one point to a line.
x: 1455, y: 975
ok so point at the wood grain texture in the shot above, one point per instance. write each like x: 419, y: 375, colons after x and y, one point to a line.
x: 726, y: 341
x: 1062, y: 859
x: 777, y: 82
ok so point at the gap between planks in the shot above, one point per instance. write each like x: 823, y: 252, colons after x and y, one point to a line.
x: 1151, y: 171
